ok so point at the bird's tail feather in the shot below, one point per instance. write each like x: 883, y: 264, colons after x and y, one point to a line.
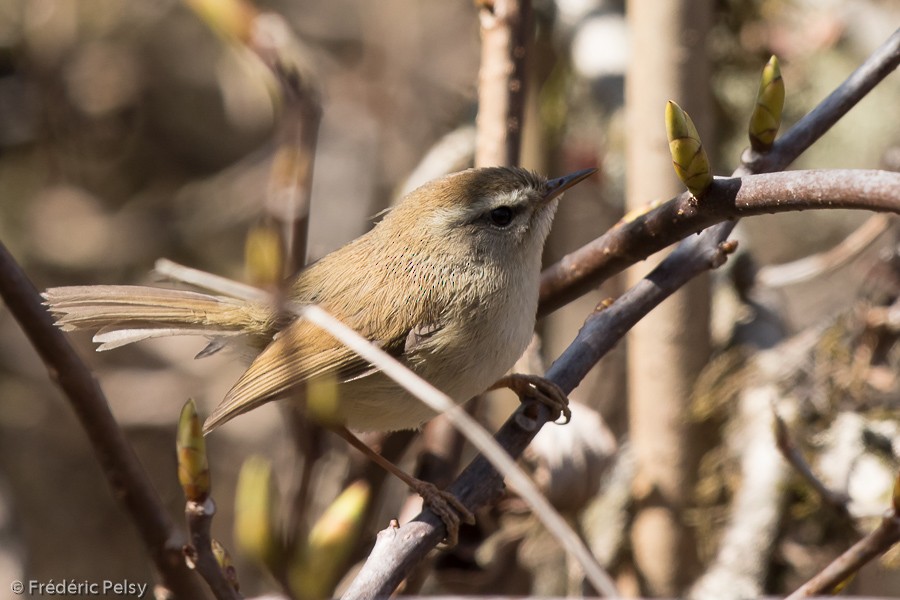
x: 123, y: 314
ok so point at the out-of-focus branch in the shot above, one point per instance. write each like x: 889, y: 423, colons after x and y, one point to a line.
x: 876, y: 543
x: 837, y: 500
x: 506, y: 34
x: 290, y: 183
x: 809, y: 268
x: 744, y: 552
x: 269, y: 37
x: 126, y: 477
x: 632, y: 241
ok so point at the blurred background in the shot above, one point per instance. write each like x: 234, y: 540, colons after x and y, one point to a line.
x: 129, y: 131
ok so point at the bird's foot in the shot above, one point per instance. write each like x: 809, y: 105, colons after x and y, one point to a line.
x: 446, y: 506
x: 543, y: 390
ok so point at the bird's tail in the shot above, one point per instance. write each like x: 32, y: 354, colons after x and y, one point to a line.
x: 123, y: 314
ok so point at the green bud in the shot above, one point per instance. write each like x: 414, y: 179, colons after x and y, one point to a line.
x: 688, y: 156
x: 193, y: 468
x: 766, y: 117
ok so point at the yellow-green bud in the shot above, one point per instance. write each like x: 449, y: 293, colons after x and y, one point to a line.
x: 193, y: 467
x: 688, y: 156
x: 766, y: 117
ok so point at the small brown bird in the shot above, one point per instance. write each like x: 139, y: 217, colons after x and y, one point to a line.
x: 447, y: 282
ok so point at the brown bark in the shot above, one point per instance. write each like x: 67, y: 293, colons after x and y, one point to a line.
x: 506, y: 35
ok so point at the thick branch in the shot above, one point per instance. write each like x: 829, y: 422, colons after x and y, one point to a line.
x: 630, y: 242
x: 124, y: 473
x: 627, y: 243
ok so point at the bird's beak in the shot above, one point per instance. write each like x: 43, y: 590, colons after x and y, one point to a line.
x: 555, y: 187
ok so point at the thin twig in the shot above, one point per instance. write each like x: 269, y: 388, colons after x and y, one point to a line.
x: 290, y: 181
x: 127, y: 479
x: 811, y: 267
x: 628, y: 243
x: 876, y: 543
x: 200, y: 553
x: 839, y: 501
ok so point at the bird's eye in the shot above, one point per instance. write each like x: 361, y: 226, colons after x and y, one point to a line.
x: 501, y: 216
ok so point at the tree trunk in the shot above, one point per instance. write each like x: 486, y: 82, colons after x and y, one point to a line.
x: 667, y: 349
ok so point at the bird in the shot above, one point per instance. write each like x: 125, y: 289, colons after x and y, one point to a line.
x: 447, y: 282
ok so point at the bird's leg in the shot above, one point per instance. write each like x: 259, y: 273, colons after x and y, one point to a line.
x: 543, y: 390
x: 444, y: 504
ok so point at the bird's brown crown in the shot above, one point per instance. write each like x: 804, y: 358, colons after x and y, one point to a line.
x: 470, y: 185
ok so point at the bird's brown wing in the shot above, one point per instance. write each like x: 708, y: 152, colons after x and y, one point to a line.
x: 299, y: 354
x: 303, y: 351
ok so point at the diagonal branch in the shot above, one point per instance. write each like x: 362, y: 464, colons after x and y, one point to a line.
x: 126, y: 477
x: 727, y: 198
x: 876, y: 543
x: 630, y: 242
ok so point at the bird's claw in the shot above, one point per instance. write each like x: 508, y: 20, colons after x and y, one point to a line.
x: 446, y: 506
x: 543, y: 390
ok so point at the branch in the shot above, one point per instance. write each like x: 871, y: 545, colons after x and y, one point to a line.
x: 506, y: 33
x: 126, y: 477
x: 290, y: 182
x: 839, y: 501
x: 630, y: 242
x: 200, y: 551
x: 269, y: 37
x: 815, y: 266
x: 818, y: 121
x: 876, y: 543
x: 193, y: 475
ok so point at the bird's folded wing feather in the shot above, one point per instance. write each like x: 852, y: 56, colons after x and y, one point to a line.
x: 300, y: 353
x: 303, y: 351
